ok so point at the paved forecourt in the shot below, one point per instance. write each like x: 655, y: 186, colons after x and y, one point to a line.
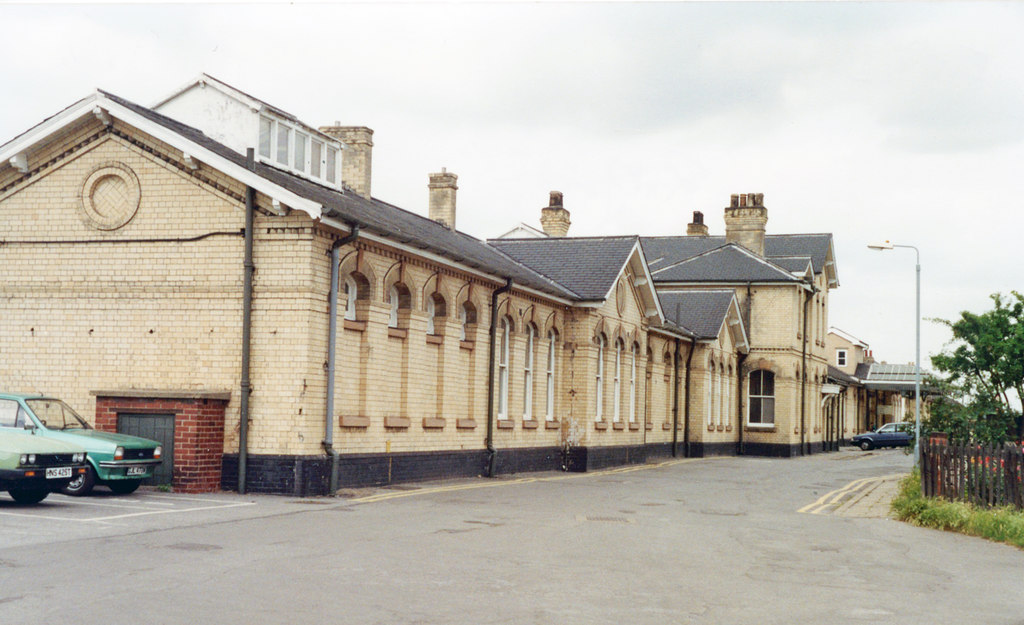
x: 717, y: 540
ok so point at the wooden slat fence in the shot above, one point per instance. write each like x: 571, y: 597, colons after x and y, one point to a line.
x: 984, y: 475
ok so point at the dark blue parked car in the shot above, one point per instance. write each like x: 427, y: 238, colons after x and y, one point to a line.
x: 889, y: 435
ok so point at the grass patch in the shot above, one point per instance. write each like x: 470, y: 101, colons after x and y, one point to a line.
x: 1005, y: 525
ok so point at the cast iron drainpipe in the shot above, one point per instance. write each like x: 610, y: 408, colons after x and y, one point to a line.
x: 803, y: 374
x: 492, y: 454
x: 245, y: 386
x: 686, y: 398
x: 332, y: 341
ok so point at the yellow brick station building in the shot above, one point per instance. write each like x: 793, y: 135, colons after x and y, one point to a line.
x: 213, y: 255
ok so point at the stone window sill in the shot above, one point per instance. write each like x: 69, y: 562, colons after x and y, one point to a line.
x: 600, y: 425
x: 530, y: 424
x: 728, y: 428
x: 355, y: 326
x: 551, y: 425
x: 398, y: 333
x: 666, y: 426
x: 351, y: 421
x: 467, y: 345
x: 648, y: 426
x: 506, y: 424
x: 618, y: 425
x: 753, y: 427
x: 634, y: 426
x: 434, y: 339
x: 465, y: 424
x: 433, y: 423
x: 711, y: 428
x: 397, y: 422
x: 721, y: 428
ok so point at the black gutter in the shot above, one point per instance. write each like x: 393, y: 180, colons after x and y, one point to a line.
x: 492, y: 454
x: 246, y: 383
x: 686, y: 399
x: 675, y: 401
x: 803, y: 375
x: 332, y: 342
x: 739, y: 401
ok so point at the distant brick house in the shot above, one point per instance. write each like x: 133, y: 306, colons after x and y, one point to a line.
x: 359, y: 343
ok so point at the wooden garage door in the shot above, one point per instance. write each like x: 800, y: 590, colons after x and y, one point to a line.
x: 158, y: 427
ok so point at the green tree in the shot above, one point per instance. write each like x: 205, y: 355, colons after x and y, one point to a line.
x: 984, y: 367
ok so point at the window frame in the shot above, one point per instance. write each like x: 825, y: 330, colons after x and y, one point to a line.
x: 760, y: 398
x: 503, y: 353
x: 549, y: 403
x: 296, y: 135
x: 599, y: 396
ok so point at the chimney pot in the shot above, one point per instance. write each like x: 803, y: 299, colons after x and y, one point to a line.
x: 441, y: 206
x: 697, y: 227
x: 554, y: 219
x: 745, y: 221
x: 357, y: 158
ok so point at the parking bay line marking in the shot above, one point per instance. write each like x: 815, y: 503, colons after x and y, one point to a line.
x: 122, y: 503
x: 152, y: 512
x: 831, y: 498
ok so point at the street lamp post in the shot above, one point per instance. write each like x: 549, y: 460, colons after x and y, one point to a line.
x: 917, y: 357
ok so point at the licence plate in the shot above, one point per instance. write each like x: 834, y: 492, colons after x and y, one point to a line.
x: 58, y: 472
x: 135, y: 471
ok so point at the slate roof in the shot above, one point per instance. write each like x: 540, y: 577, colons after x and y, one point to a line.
x: 662, y: 251
x: 841, y: 376
x: 703, y: 312
x: 372, y: 214
x: 588, y: 266
x: 728, y: 263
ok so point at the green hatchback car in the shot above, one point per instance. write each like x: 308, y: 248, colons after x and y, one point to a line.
x: 118, y: 461
x: 31, y: 467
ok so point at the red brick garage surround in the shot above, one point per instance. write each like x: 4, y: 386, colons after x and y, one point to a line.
x: 198, y: 430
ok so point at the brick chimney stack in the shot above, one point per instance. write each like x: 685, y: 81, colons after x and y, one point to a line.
x: 697, y: 228
x: 745, y: 220
x: 555, y: 219
x: 442, y: 198
x: 356, y: 160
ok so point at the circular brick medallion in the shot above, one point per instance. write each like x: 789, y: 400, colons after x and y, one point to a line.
x: 110, y: 196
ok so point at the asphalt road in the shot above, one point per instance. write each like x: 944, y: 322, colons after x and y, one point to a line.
x: 699, y: 541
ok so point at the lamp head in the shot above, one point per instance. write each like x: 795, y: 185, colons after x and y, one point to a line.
x: 880, y: 246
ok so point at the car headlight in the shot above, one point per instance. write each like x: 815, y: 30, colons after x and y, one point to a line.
x: 119, y: 453
x: 31, y: 458
x: 158, y: 452
x: 23, y: 459
x: 79, y: 458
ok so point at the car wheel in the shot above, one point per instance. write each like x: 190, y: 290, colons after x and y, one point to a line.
x: 866, y: 445
x: 29, y: 496
x: 81, y: 485
x: 124, y: 487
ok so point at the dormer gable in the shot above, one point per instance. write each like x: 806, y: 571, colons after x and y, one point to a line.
x: 240, y: 121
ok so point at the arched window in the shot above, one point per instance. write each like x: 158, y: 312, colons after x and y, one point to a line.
x: 632, y: 384
x: 528, y: 374
x: 730, y: 398
x: 599, y: 396
x: 436, y: 311
x: 399, y: 299
x: 549, y: 408
x: 393, y: 300
x: 357, y: 288
x: 762, y: 398
x: 505, y: 335
x: 617, y: 383
x: 721, y: 397
x: 351, y: 292
x: 467, y: 317
x: 711, y: 395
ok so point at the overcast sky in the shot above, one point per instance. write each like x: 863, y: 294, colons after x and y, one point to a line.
x: 869, y: 121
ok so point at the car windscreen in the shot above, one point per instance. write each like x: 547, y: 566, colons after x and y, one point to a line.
x: 56, y: 415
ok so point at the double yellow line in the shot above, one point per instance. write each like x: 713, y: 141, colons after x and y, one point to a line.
x: 517, y: 481
x: 828, y: 500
